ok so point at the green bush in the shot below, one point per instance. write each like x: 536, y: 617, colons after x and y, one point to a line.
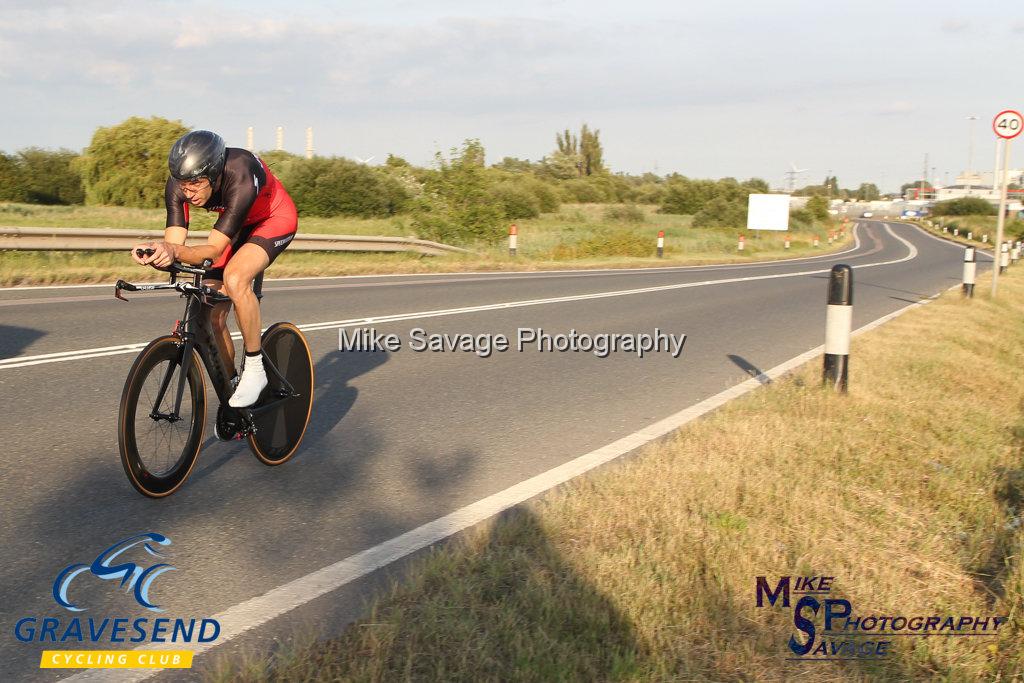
x: 650, y: 193
x: 547, y: 195
x: 457, y: 205
x: 685, y: 196
x: 965, y: 206
x: 721, y: 212
x: 39, y: 176
x: 515, y: 200
x: 624, y: 213
x: 583, y: 191
x: 817, y: 207
x: 802, y: 217
x: 126, y: 164
x: 338, y: 187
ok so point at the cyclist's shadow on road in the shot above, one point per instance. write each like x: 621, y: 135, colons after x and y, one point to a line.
x: 333, y: 397
x: 14, y: 339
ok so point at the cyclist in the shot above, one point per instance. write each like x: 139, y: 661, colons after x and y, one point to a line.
x: 257, y: 221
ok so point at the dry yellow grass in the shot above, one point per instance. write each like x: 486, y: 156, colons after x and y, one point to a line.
x: 909, y: 491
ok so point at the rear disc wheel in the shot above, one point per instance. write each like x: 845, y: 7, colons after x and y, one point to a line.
x: 278, y: 432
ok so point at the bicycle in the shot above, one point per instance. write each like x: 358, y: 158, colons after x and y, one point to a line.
x: 161, y: 425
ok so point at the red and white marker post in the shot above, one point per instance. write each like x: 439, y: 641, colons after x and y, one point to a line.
x: 661, y: 243
x: 1007, y: 125
x: 513, y: 238
x: 739, y: 246
x: 815, y: 240
x: 786, y: 243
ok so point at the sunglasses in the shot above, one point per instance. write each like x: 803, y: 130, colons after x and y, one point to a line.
x: 193, y: 185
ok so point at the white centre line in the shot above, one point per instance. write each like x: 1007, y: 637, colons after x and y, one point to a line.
x: 83, y: 354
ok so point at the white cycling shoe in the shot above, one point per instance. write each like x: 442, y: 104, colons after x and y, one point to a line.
x: 254, y: 380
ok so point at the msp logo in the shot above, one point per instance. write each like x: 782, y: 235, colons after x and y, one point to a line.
x: 130, y: 573
x: 134, y: 563
x: 829, y: 628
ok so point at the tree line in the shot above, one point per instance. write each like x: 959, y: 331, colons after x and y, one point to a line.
x: 458, y: 198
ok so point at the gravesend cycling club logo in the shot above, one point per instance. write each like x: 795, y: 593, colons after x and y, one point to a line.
x: 132, y: 565
x: 830, y: 629
x: 136, y: 577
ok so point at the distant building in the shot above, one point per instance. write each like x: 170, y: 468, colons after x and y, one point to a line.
x: 984, y: 178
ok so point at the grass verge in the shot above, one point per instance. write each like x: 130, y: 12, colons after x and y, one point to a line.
x: 909, y: 491
x: 975, y: 226
x: 579, y: 236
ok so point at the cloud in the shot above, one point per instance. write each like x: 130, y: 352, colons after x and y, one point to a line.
x: 456, y: 63
x: 897, y: 108
x: 955, y: 25
x: 110, y: 72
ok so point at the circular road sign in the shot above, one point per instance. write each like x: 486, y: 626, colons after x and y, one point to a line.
x: 1008, y: 124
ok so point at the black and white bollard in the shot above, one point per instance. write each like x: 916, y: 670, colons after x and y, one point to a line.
x: 956, y: 232
x: 513, y: 239
x: 661, y: 243
x: 970, y: 269
x: 1004, y: 257
x: 838, y: 324
x: 970, y: 235
x: 984, y: 239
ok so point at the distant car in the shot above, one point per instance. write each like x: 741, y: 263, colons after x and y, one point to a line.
x: 867, y: 214
x: 909, y: 213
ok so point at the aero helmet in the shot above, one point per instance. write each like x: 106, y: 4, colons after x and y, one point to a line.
x: 199, y: 154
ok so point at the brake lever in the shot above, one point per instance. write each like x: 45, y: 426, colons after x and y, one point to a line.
x: 121, y: 284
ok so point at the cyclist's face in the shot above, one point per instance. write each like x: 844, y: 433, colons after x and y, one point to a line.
x: 196, y: 191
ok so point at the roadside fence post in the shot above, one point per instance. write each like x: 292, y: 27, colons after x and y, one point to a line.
x: 838, y: 324
x: 970, y: 269
x: 513, y: 238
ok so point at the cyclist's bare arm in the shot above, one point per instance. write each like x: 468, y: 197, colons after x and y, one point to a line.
x: 175, y: 234
x: 171, y: 249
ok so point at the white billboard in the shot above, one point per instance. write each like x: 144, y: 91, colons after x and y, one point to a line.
x: 768, y: 212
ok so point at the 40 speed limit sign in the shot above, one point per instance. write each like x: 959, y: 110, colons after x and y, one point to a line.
x: 1008, y: 124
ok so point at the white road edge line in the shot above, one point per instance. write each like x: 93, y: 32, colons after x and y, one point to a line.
x: 82, y: 354
x: 259, y: 610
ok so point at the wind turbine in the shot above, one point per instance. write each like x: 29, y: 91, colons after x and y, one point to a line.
x: 792, y: 174
x: 366, y: 161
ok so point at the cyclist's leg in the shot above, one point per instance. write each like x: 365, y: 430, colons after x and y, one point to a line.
x: 263, y: 245
x: 221, y: 333
x: 248, y: 262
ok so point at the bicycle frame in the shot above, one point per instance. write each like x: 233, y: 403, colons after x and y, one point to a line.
x: 195, y: 331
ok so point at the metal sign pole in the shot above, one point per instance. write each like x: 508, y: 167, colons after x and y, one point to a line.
x: 1007, y: 125
x: 1001, y: 220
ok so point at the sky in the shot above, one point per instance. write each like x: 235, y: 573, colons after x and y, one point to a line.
x: 708, y: 90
